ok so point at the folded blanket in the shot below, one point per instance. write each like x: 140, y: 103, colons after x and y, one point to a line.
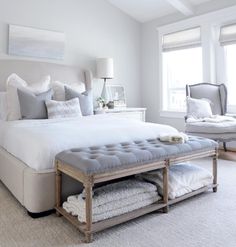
x: 114, y: 199
x: 183, y: 178
x: 116, y: 191
x: 119, y: 211
x: 78, y: 209
x: 174, y: 138
x: 213, y: 119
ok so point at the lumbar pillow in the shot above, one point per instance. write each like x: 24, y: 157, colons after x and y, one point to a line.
x: 198, y: 108
x: 59, y: 89
x: 63, y: 109
x: 32, y: 105
x: 85, y: 100
x: 13, y: 83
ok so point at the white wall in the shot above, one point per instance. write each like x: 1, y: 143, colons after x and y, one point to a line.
x: 150, y: 81
x: 93, y: 28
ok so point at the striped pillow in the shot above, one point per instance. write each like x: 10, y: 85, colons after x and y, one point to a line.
x: 63, y: 109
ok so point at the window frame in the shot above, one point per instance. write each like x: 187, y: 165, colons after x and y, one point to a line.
x: 165, y: 87
x: 221, y: 71
x: 209, y: 24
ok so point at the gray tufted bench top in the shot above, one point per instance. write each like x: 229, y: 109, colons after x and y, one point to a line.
x: 100, y: 159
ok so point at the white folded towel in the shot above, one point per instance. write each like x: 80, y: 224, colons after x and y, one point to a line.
x: 116, y: 191
x: 110, y: 209
x: 174, y: 138
x: 77, y: 206
x: 183, y: 178
x: 114, y: 199
x: 119, y: 211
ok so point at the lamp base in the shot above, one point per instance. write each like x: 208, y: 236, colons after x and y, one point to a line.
x: 104, y: 91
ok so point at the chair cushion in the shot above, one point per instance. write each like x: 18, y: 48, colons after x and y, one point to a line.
x: 211, y: 128
x: 94, y: 160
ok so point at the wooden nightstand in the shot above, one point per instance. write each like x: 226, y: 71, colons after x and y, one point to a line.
x: 127, y: 112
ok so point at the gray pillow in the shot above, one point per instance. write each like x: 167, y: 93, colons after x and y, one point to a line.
x: 85, y: 100
x: 33, y: 106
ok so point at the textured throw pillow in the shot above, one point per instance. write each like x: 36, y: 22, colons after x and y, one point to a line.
x: 198, y: 108
x: 14, y: 82
x: 85, y: 100
x: 59, y: 89
x: 3, y: 105
x: 32, y: 105
x: 63, y: 109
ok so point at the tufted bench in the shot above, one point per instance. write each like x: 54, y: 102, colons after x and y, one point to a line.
x: 97, y: 164
x: 100, y: 159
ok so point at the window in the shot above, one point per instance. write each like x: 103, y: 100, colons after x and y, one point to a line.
x: 230, y: 62
x: 181, y: 65
x: 228, y: 42
x: 179, y: 69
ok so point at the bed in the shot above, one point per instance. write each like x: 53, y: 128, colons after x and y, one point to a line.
x: 28, y: 147
x: 34, y: 189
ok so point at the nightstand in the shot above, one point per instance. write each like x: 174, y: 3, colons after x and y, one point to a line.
x: 127, y: 112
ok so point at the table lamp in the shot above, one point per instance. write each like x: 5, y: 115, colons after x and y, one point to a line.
x: 105, y: 71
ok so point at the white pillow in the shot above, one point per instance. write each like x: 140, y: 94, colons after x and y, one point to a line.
x: 14, y: 82
x: 59, y: 89
x: 198, y: 108
x: 63, y: 109
x: 3, y: 105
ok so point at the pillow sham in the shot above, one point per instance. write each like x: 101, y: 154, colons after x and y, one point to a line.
x: 85, y: 100
x: 198, y: 108
x: 32, y: 105
x: 3, y: 105
x: 63, y: 109
x: 13, y: 83
x: 59, y: 89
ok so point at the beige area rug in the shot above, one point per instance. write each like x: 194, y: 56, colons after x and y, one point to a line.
x: 208, y: 220
x: 229, y: 155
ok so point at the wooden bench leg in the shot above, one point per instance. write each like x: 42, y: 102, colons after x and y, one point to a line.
x: 88, y: 237
x: 89, y: 214
x: 214, y: 162
x: 165, y: 174
x: 58, y: 190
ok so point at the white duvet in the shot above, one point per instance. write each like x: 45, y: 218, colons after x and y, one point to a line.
x: 36, y: 142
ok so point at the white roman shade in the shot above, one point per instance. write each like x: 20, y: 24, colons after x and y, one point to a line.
x: 182, y: 39
x: 228, y: 34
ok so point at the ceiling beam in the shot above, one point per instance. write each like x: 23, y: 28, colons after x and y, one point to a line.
x: 183, y: 6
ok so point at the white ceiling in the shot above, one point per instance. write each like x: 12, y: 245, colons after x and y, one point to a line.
x: 146, y: 10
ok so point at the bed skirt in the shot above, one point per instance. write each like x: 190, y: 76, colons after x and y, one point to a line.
x: 35, y: 190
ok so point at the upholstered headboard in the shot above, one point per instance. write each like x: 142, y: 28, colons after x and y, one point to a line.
x: 33, y: 71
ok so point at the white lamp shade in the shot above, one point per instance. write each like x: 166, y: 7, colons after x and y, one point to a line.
x: 105, y: 68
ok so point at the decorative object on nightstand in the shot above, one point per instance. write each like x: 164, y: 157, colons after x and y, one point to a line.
x: 101, y: 102
x: 105, y: 71
x: 110, y: 105
x: 116, y: 93
x: 125, y: 112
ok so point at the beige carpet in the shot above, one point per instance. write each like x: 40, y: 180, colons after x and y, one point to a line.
x: 229, y: 155
x: 208, y: 220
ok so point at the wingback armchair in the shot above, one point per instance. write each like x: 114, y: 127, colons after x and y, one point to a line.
x: 217, y: 94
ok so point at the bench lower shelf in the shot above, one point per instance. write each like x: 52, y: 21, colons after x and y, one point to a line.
x: 101, y: 225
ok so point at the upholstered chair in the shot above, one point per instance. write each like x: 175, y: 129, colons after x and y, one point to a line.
x: 217, y: 95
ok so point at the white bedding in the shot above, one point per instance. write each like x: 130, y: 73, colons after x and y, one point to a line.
x: 36, y: 142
